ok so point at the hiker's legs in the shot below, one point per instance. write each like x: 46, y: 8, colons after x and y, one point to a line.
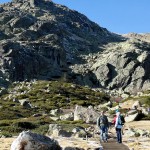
x: 103, y: 133
x: 106, y: 133
x: 119, y: 136
x: 122, y: 130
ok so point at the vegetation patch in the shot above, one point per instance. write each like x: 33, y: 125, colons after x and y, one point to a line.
x: 43, y: 96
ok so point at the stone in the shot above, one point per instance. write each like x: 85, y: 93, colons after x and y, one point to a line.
x: 132, y: 117
x: 25, y: 103
x: 69, y: 117
x: 55, y: 112
x: 89, y: 115
x: 32, y: 141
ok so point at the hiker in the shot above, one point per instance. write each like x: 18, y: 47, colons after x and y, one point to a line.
x: 122, y: 120
x: 103, y: 124
x: 118, y: 126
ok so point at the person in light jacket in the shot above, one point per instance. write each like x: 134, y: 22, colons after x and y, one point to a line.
x: 118, y: 126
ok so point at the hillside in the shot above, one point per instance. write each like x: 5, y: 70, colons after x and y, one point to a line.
x: 28, y: 105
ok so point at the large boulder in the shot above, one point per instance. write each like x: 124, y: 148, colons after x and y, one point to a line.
x: 32, y: 141
x: 132, y: 117
x: 89, y: 115
x: 56, y: 130
x: 80, y: 132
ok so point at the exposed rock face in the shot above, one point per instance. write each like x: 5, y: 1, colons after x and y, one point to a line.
x: 38, y: 39
x: 121, y: 65
x: 124, y: 66
x: 42, y: 40
x: 27, y: 140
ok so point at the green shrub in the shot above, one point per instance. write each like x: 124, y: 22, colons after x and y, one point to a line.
x: 71, y: 122
x: 147, y: 101
x: 5, y: 134
x: 25, y: 125
x: 23, y: 96
x: 14, y: 113
x: 104, y: 109
x: 5, y: 123
x: 77, y: 122
x: 11, y: 129
x: 137, y: 134
x: 41, y: 129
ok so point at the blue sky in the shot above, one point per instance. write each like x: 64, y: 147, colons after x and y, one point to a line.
x: 119, y: 16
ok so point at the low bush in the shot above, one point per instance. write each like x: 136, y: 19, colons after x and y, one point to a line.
x: 41, y: 129
x: 25, y: 125
x: 5, y: 134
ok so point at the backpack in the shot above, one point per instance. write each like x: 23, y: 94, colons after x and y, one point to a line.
x: 102, y: 120
x: 121, y: 120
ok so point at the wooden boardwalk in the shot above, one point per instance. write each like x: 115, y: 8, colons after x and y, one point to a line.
x: 112, y: 145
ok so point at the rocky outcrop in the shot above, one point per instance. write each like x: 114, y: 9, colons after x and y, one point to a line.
x: 121, y: 66
x: 89, y: 115
x: 28, y: 140
x: 40, y: 39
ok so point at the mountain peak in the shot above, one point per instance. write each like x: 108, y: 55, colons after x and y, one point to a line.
x: 28, y: 4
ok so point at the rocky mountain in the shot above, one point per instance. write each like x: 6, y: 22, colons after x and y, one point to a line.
x: 43, y: 40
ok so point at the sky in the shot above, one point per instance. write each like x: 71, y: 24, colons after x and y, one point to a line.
x: 119, y: 16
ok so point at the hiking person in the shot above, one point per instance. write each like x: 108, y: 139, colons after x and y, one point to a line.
x: 118, y: 126
x: 103, y: 124
x: 122, y: 120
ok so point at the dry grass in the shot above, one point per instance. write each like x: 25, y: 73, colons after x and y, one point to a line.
x: 138, y: 143
x: 5, y: 143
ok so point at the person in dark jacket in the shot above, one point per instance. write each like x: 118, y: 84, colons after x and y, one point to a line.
x: 103, y: 124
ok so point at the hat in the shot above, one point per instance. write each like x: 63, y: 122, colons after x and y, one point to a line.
x: 117, y: 110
